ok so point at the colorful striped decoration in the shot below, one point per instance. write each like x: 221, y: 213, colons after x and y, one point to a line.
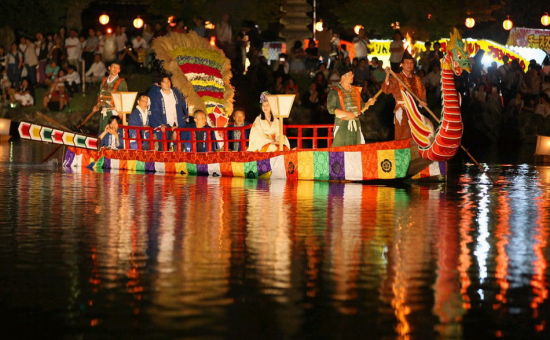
x: 359, y: 163
x: 47, y: 134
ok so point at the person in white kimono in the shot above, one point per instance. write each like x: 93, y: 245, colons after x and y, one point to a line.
x: 264, y: 135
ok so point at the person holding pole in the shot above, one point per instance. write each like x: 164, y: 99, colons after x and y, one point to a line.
x: 394, y: 87
x: 265, y: 133
x: 105, y: 104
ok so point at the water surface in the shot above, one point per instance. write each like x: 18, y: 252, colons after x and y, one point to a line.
x: 119, y: 255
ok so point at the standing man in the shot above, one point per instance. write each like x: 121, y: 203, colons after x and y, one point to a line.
x: 396, y: 51
x: 344, y: 101
x: 74, y: 49
x: 140, y: 117
x: 168, y: 107
x: 361, y: 45
x: 105, y: 104
x: 392, y: 86
x: 31, y: 59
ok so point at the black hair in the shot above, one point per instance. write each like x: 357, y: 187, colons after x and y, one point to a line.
x: 117, y: 118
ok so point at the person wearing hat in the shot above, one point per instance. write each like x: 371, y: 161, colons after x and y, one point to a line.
x: 264, y: 134
x: 392, y: 86
x: 345, y: 103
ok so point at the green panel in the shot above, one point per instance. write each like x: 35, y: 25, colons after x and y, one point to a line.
x: 321, y: 168
x: 402, y: 161
x: 191, y: 169
x: 251, y: 170
x: 47, y: 133
x: 140, y: 166
x: 99, y: 163
x: 80, y: 141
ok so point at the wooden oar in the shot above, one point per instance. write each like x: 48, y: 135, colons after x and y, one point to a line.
x: 371, y: 101
x: 437, y: 120
x: 78, y: 127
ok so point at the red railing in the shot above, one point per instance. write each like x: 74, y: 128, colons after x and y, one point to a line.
x: 185, y: 139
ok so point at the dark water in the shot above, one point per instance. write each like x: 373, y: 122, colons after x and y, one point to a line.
x: 119, y: 255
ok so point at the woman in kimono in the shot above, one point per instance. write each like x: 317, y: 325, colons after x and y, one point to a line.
x: 264, y: 135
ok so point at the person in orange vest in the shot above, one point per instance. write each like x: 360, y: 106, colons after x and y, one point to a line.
x: 109, y: 84
x: 345, y: 103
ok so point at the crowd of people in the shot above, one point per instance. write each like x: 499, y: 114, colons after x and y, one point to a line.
x: 62, y: 61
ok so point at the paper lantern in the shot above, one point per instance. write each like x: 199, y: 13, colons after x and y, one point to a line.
x: 470, y: 22
x: 104, y: 19
x: 507, y: 24
x: 281, y: 104
x: 171, y: 21
x: 209, y: 25
x: 319, y: 26
x: 543, y: 146
x: 138, y: 22
x: 545, y: 19
x: 124, y: 103
x: 5, y: 127
x: 358, y: 28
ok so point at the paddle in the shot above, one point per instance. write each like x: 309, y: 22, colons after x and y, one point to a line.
x: 371, y: 101
x: 86, y: 119
x: 437, y: 120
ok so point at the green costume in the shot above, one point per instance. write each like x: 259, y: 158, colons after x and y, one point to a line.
x: 105, y: 99
x: 346, y: 132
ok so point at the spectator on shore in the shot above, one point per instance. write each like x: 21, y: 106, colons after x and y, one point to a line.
x: 41, y: 46
x: 97, y: 70
x: 199, y: 26
x: 361, y: 44
x: 71, y: 80
x: 297, y: 57
x: 74, y: 49
x: 14, y: 61
x: 57, y: 97
x: 396, y: 51
x: 121, y: 39
x: 91, y: 47
x: 51, y: 71
x: 312, y: 56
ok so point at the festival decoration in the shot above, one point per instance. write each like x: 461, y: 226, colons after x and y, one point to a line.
x: 469, y: 22
x: 387, y: 160
x: 50, y: 135
x: 358, y: 28
x: 507, y: 24
x: 281, y: 104
x: 543, y: 146
x: 200, y: 71
x: 441, y: 144
x: 171, y: 21
x: 138, y: 22
x: 104, y: 19
x: 545, y: 19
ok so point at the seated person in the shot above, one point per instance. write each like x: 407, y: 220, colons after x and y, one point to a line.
x: 200, y: 123
x: 111, y: 137
x: 51, y: 71
x: 71, y: 80
x: 264, y: 135
x: 24, y: 94
x: 97, y: 70
x: 239, y: 119
x: 57, y: 97
x: 140, y: 117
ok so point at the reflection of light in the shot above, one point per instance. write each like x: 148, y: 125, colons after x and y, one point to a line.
x: 483, y: 247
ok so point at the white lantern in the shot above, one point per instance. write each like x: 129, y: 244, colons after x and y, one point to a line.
x: 470, y: 22
x: 104, y: 19
x: 281, y: 104
x: 138, y: 22
x: 545, y: 19
x: 543, y: 146
x: 124, y: 103
x: 357, y: 29
x: 5, y: 127
x: 319, y: 26
x: 507, y: 24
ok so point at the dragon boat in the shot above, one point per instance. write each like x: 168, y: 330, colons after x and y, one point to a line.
x: 202, y: 73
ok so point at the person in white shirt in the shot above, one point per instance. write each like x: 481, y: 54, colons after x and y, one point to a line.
x: 121, y: 39
x: 71, y: 80
x: 361, y: 45
x: 140, y: 117
x: 74, y: 49
x: 30, y: 59
x: 97, y: 70
x: 396, y: 49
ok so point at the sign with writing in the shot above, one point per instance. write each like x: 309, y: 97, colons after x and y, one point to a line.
x: 529, y: 37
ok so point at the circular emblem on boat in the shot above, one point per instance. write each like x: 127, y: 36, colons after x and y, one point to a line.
x: 250, y: 174
x: 386, y: 165
x: 291, y: 167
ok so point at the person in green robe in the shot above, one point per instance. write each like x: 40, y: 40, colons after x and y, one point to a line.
x: 109, y: 84
x: 344, y: 102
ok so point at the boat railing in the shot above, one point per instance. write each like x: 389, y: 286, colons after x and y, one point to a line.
x: 233, y: 138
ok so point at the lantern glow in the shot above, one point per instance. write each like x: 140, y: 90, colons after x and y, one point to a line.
x: 358, y: 28
x: 319, y: 26
x: 104, y: 19
x: 545, y: 19
x: 507, y: 24
x: 470, y: 22
x: 138, y: 22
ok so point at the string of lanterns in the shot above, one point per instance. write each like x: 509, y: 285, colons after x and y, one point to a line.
x: 507, y: 24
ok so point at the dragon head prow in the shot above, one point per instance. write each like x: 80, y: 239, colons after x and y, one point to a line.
x: 460, y: 58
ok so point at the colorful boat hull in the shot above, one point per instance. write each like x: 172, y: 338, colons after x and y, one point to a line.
x: 376, y: 161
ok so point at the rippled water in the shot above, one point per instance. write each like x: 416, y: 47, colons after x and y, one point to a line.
x: 121, y: 255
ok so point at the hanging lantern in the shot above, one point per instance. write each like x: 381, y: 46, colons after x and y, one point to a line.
x: 109, y: 30
x: 171, y: 21
x: 470, y: 22
x: 209, y: 25
x: 507, y: 24
x: 545, y: 19
x: 104, y: 19
x: 319, y: 26
x: 138, y: 22
x: 358, y: 28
